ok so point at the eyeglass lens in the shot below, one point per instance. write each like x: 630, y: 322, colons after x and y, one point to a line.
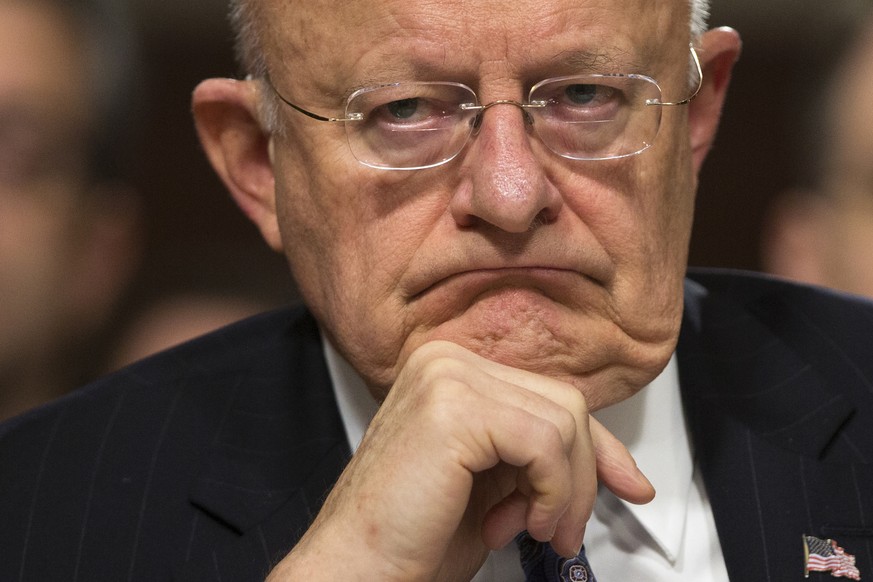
x: 420, y: 125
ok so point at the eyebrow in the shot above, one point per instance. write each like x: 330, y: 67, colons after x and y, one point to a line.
x: 590, y: 61
x: 572, y: 61
x: 392, y: 72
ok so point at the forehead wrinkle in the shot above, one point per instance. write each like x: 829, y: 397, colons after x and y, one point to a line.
x: 409, y: 50
x: 391, y: 43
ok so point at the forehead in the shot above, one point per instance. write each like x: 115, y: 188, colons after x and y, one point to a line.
x: 340, y: 39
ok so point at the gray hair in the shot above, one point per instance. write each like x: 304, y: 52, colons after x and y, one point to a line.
x: 699, y: 17
x: 250, y: 54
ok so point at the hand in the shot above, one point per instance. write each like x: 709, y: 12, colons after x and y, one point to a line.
x: 463, y: 454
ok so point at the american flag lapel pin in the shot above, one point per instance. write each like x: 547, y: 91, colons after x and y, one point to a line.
x: 826, y: 556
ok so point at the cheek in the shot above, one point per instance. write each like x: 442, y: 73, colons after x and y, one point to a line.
x: 663, y: 211
x: 640, y: 212
x: 36, y: 234
x: 639, y: 209
x: 348, y: 248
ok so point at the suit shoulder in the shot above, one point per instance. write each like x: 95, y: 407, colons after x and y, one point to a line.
x: 747, y: 289
x: 263, y: 344
x: 794, y: 362
x: 137, y: 465
x: 726, y: 312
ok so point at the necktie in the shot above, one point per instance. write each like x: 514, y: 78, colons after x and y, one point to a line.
x: 542, y: 564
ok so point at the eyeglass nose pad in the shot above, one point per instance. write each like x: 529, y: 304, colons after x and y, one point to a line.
x: 476, y: 122
x: 528, y: 118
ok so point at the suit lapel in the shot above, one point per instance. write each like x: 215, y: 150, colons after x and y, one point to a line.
x: 764, y: 421
x: 736, y: 365
x: 281, y: 448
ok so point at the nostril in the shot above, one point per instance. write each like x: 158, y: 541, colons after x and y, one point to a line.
x: 547, y: 215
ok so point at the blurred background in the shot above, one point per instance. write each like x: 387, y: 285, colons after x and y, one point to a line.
x: 199, y: 263
x: 197, y: 242
x: 768, y: 140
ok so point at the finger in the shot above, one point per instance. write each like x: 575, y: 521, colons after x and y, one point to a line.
x: 535, y: 390
x: 570, y: 529
x: 536, y: 447
x: 567, y: 533
x: 539, y: 395
x: 616, y: 468
x: 503, y: 521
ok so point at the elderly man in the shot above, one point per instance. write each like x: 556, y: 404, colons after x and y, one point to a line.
x: 487, y: 211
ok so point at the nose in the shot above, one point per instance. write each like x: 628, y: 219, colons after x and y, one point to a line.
x: 508, y: 188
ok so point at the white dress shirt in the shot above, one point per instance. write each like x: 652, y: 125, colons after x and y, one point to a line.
x: 671, y: 539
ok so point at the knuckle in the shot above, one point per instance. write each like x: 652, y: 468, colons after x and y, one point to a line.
x: 574, y: 400
x: 441, y: 374
x: 434, y: 349
x: 567, y: 428
x: 442, y: 398
x: 551, y: 436
x: 435, y: 360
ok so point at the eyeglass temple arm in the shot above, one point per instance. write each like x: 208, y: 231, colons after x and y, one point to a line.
x: 352, y: 117
x: 696, y: 91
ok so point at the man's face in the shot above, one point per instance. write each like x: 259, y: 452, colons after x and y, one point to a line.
x: 567, y: 268
x: 42, y: 104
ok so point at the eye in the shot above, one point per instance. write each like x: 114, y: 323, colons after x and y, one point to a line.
x: 416, y: 111
x: 591, y: 95
x: 581, y: 99
x: 581, y: 94
x: 403, y: 109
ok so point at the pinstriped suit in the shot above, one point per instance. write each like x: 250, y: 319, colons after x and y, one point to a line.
x: 777, y: 382
x: 203, y: 463
x: 207, y: 462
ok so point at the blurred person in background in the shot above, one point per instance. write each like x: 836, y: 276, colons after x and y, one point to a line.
x: 68, y: 223
x: 824, y: 234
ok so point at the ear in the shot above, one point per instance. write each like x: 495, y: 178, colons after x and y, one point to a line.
x: 226, y: 113
x: 718, y: 50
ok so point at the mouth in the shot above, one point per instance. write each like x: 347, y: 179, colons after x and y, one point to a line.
x: 543, y: 275
x: 562, y: 285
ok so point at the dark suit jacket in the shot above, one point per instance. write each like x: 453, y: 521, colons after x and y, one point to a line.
x: 209, y: 461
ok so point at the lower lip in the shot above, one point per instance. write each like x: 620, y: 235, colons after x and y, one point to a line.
x: 559, y: 285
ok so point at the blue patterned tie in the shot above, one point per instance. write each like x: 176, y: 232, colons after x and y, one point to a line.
x: 542, y: 564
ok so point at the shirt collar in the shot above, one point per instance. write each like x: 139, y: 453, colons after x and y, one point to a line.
x: 356, y: 404
x: 651, y: 425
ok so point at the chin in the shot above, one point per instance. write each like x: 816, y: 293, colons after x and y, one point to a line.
x: 586, y: 350
x: 538, y: 337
